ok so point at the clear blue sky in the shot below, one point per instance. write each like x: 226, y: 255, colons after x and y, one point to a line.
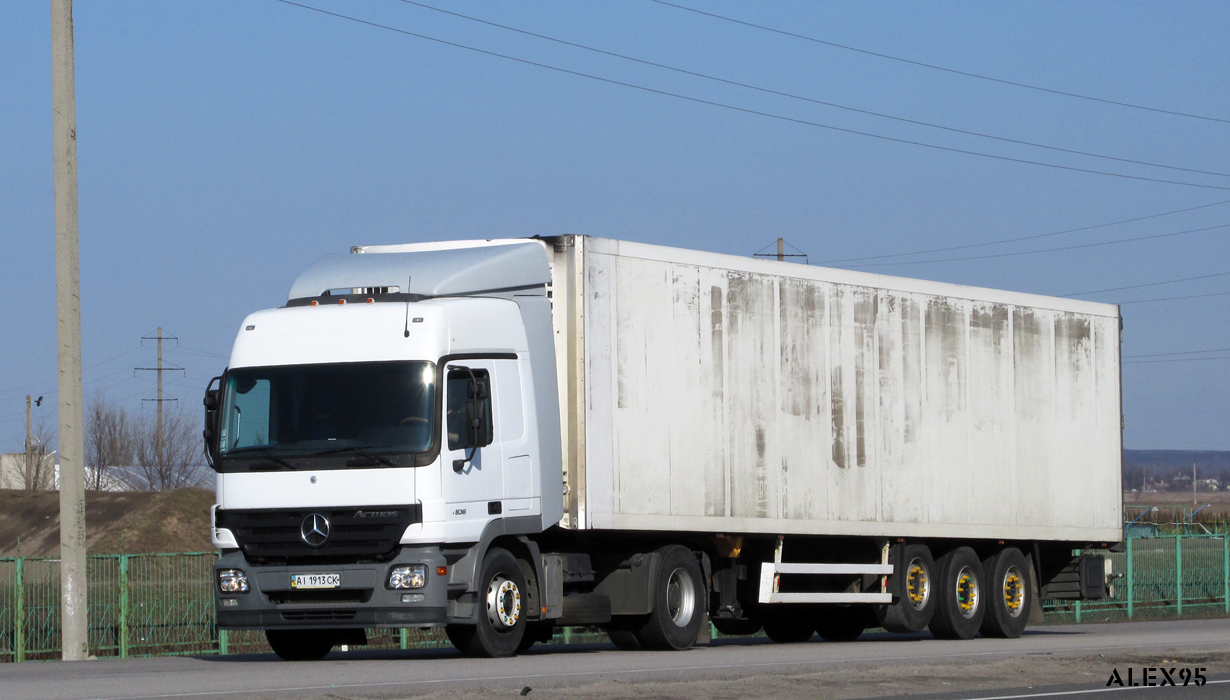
x: 224, y: 146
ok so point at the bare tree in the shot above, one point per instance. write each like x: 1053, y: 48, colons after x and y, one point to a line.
x: 109, y: 438
x: 180, y: 462
x: 38, y: 468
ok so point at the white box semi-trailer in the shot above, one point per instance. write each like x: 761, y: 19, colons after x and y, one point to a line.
x: 710, y: 392
x: 504, y: 437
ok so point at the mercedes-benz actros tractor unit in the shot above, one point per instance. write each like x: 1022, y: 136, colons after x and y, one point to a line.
x: 504, y: 437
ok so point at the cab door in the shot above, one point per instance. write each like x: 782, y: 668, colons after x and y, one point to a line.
x: 473, y: 456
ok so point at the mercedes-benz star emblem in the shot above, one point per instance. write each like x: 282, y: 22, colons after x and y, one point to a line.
x: 314, y: 530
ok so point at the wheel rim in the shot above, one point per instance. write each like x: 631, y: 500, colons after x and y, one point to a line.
x: 1014, y: 591
x: 503, y: 603
x: 680, y: 597
x: 967, y: 592
x: 918, y: 584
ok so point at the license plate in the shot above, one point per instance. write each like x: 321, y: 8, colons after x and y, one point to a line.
x: 315, y: 580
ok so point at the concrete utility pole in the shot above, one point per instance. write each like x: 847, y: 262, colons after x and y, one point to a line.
x: 29, y: 461
x: 159, y: 369
x: 74, y: 643
x: 781, y: 249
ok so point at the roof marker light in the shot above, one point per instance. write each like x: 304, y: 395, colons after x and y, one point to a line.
x: 370, y: 300
x: 315, y: 303
x: 341, y: 302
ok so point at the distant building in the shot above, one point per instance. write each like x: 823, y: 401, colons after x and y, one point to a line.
x: 12, y: 475
x: 13, y: 471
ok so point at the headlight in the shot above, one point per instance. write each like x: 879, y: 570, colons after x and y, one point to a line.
x: 232, y: 581
x: 413, y: 576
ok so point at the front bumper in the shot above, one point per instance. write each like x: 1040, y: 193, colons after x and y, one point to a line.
x: 362, y: 600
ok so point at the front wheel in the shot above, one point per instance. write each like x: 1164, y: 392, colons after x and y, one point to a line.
x: 500, y: 627
x: 301, y: 645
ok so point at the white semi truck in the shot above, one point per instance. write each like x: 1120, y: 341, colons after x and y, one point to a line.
x: 502, y: 437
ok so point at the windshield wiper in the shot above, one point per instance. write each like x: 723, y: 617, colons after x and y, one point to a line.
x: 264, y: 454
x: 360, y: 451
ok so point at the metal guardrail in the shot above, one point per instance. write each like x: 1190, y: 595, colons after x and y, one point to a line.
x: 163, y: 604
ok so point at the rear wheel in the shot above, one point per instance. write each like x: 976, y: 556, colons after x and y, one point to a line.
x: 1009, y: 594
x: 784, y: 627
x: 960, y: 601
x: 500, y: 627
x: 913, y: 611
x: 678, y: 602
x: 843, y: 623
x: 301, y: 645
x: 736, y: 627
x: 623, y: 629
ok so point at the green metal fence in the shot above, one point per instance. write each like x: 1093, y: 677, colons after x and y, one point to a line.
x: 160, y: 604
x: 1163, y: 577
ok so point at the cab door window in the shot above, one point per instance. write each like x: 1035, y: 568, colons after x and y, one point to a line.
x: 468, y: 409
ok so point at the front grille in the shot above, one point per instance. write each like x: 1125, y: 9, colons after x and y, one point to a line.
x: 353, y: 532
x: 339, y: 595
x: 318, y: 615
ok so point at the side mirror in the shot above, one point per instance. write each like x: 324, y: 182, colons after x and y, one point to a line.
x: 477, y: 429
x: 210, y: 433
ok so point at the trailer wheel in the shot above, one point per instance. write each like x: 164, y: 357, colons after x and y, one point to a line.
x: 912, y: 613
x: 500, y: 627
x: 736, y: 627
x: 786, y: 627
x: 843, y: 623
x: 301, y: 645
x: 1009, y: 594
x: 961, y: 596
x: 678, y: 602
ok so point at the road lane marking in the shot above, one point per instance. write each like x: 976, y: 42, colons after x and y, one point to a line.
x: 1077, y: 692
x: 663, y: 669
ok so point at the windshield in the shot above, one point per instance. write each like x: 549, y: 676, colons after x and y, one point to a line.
x: 312, y: 409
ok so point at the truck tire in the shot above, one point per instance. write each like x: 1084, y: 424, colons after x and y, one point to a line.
x: 912, y: 613
x: 789, y: 627
x: 736, y: 627
x: 1009, y: 594
x: 960, y: 597
x: 843, y: 623
x: 301, y: 645
x: 536, y: 632
x: 623, y: 631
x: 500, y: 627
x: 678, y: 602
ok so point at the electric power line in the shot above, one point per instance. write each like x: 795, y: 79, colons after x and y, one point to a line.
x: 745, y: 110
x: 1184, y: 352
x: 803, y: 98
x: 1025, y: 238
x: 1173, y: 359
x: 933, y: 66
x: 1148, y: 284
x: 1050, y: 250
x: 1190, y: 296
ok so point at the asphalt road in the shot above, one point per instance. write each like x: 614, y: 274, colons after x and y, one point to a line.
x: 1055, y: 661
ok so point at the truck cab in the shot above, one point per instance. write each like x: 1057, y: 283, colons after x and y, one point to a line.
x: 371, y: 433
